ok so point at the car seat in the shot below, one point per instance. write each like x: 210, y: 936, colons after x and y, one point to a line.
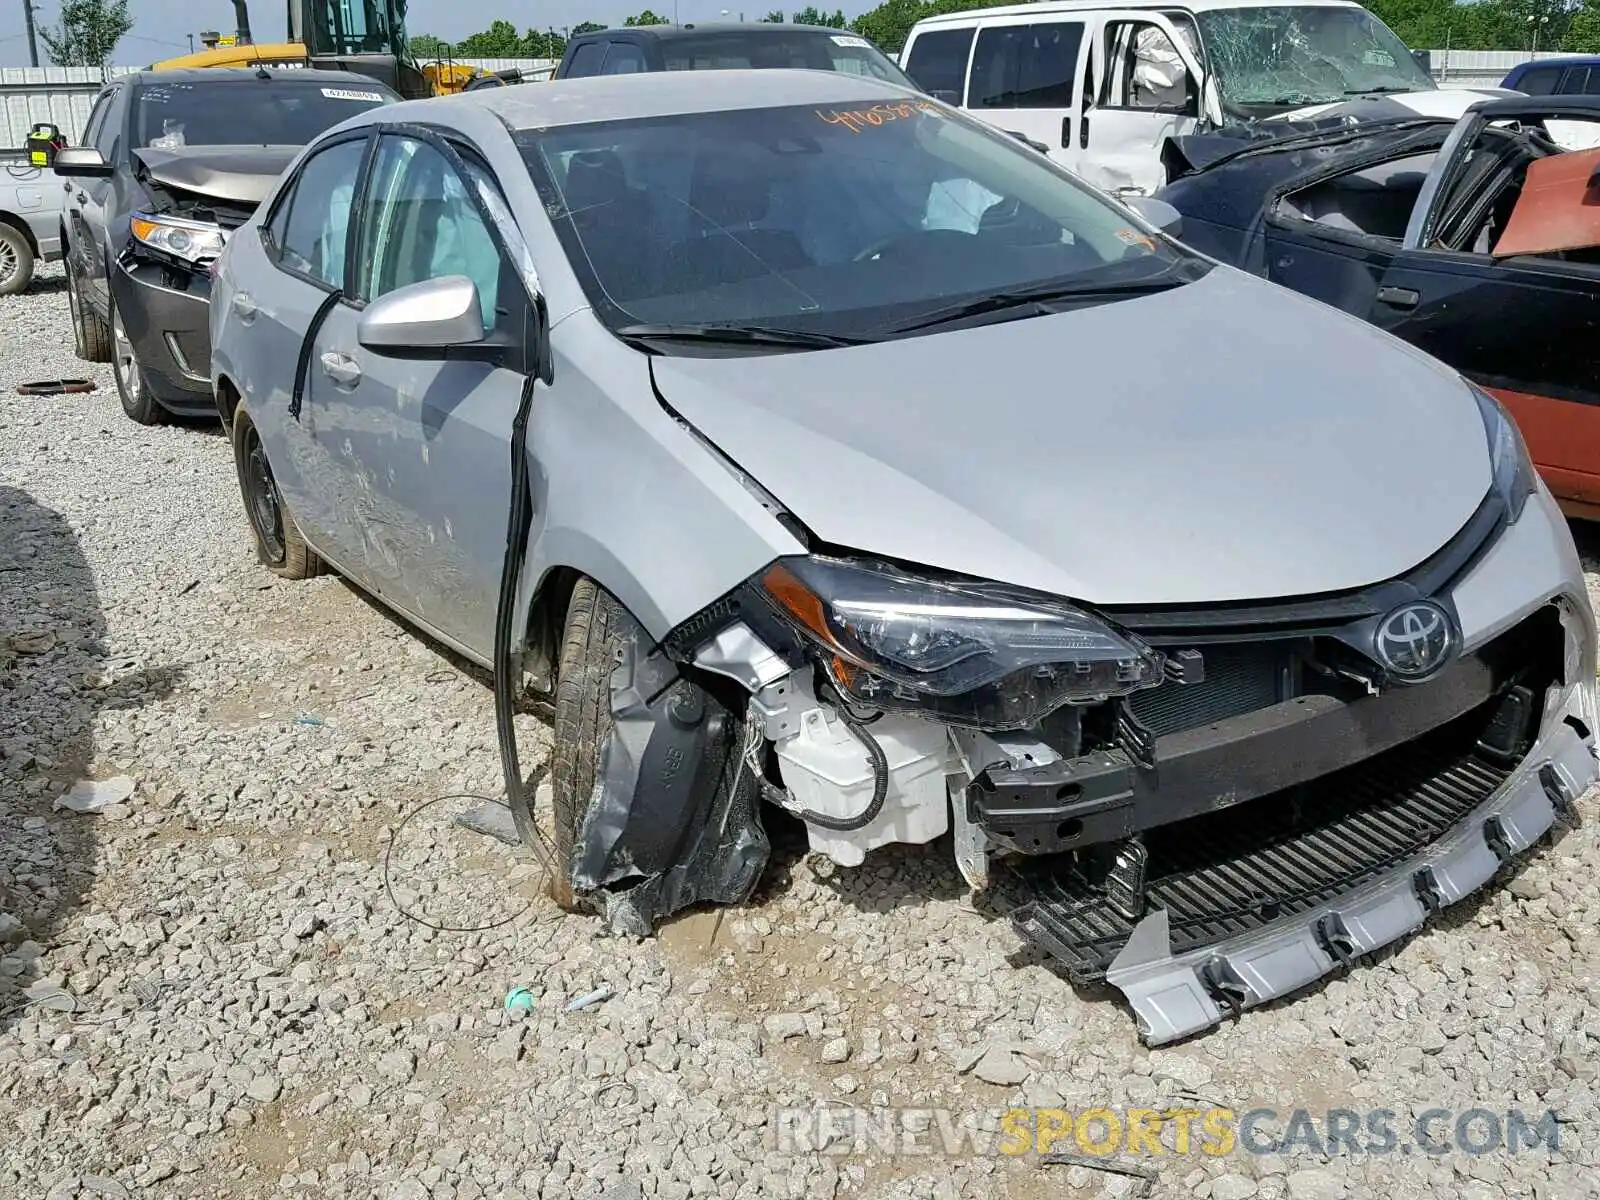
x: 728, y: 202
x: 613, y: 220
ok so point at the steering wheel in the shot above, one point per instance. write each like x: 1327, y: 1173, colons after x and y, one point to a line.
x: 901, y: 239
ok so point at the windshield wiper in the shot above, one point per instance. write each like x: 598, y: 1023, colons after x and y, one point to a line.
x: 739, y: 335
x: 1385, y: 90
x: 1037, y: 298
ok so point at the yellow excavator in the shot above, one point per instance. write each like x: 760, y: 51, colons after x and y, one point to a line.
x: 365, y: 37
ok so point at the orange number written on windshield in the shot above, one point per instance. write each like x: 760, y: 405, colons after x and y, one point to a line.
x: 857, y: 119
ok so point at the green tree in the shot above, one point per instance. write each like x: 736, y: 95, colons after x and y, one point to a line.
x: 811, y: 15
x: 500, y: 40
x: 587, y: 27
x: 775, y: 17
x: 426, y: 46
x: 546, y: 44
x: 1583, y: 32
x: 647, y: 18
x: 88, y: 32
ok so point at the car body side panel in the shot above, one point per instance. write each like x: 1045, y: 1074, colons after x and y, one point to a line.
x: 1563, y: 439
x: 33, y: 198
x: 1341, y: 270
x: 624, y: 493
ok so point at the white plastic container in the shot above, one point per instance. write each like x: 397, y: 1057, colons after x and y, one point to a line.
x: 828, y: 770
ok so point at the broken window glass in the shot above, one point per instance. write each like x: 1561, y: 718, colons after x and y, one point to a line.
x: 1305, y: 55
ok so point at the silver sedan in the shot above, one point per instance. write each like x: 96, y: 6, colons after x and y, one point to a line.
x: 828, y: 453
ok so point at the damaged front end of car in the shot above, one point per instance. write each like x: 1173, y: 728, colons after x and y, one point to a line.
x: 1206, y: 807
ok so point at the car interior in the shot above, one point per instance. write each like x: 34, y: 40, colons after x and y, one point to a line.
x: 1485, y: 197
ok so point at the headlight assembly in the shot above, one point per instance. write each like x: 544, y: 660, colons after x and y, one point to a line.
x: 192, y: 241
x: 1514, y: 476
x: 969, y: 654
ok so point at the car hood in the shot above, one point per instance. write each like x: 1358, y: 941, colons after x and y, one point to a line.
x: 1226, y: 440
x: 237, y: 174
x: 1450, y: 103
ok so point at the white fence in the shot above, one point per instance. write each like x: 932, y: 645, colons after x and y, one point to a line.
x: 63, y: 96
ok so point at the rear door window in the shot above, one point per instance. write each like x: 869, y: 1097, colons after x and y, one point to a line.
x: 1580, y: 81
x: 1026, y: 66
x: 586, y: 59
x: 310, y: 231
x: 938, y: 63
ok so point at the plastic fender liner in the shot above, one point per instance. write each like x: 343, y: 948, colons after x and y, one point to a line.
x: 674, y: 821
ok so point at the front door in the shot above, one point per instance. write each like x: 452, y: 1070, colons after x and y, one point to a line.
x: 422, y: 449
x: 87, y: 201
x: 1149, y: 86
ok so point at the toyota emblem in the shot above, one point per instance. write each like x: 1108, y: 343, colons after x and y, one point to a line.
x: 1415, y: 640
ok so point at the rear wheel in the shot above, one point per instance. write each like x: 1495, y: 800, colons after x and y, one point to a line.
x: 16, y: 261
x: 597, y: 626
x: 91, y: 338
x: 132, y: 386
x: 279, y: 545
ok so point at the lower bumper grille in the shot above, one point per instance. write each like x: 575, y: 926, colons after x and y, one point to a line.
x: 1225, y: 874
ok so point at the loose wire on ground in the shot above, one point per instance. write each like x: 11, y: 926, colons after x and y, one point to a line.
x: 388, y: 882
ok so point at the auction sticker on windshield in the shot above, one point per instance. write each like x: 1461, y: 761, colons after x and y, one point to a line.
x: 846, y: 39
x: 857, y: 119
x: 347, y: 94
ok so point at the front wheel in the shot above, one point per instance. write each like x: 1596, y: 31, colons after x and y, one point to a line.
x: 132, y: 386
x: 597, y: 626
x: 279, y: 546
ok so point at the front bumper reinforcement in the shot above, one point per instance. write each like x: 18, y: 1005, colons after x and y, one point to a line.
x: 1177, y: 994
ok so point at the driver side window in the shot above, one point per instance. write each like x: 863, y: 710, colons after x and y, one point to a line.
x: 1145, y: 71
x: 422, y: 223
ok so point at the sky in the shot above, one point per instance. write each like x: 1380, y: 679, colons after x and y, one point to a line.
x: 161, y: 26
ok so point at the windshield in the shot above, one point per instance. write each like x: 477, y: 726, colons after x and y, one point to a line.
x: 736, y: 50
x: 246, y: 112
x: 355, y: 26
x: 1305, y: 55
x: 837, y: 221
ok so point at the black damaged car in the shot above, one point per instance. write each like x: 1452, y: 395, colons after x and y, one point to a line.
x: 172, y: 163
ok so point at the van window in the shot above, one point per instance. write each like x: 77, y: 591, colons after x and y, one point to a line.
x: 938, y: 63
x: 1026, y: 66
x: 586, y: 59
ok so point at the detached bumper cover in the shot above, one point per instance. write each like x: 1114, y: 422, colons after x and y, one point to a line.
x: 1176, y: 995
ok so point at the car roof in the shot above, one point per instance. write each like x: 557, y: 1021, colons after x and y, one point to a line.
x: 1539, y: 106
x: 253, y: 74
x: 974, y: 16
x: 654, y: 94
x: 667, y: 33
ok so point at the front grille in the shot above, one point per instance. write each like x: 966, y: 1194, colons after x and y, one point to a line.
x: 1225, y: 874
x: 1238, y: 679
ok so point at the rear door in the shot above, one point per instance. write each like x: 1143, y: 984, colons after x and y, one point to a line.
x: 306, y: 241
x: 937, y: 61
x: 1148, y: 86
x: 422, y: 448
x: 1026, y: 77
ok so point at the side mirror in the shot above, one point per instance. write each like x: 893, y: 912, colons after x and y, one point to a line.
x: 424, y: 320
x: 82, y: 162
x: 1158, y: 213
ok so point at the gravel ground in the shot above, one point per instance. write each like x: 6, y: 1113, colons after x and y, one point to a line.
x: 208, y: 989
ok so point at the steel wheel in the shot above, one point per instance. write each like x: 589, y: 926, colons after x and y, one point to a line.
x: 261, y: 499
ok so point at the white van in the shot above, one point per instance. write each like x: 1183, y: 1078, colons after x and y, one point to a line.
x: 1103, y: 88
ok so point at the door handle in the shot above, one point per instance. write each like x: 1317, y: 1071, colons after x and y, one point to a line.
x: 342, y: 370
x: 245, y: 306
x: 1399, y: 297
x: 1083, y: 128
x: 1066, y: 133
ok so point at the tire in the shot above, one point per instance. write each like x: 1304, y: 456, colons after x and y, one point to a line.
x: 597, y: 626
x: 16, y: 261
x: 91, y: 338
x: 279, y: 546
x: 137, y: 400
